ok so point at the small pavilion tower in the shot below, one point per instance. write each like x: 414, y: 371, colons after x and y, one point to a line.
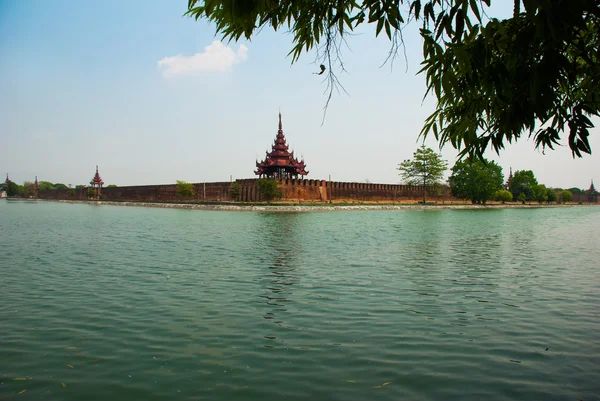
x: 280, y: 163
x: 96, y: 184
x: 592, y: 194
x: 36, y: 187
x: 509, y: 180
x: 4, y: 185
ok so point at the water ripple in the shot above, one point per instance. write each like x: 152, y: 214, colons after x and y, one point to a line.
x: 137, y: 304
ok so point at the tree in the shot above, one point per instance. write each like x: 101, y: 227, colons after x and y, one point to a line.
x: 235, y: 191
x: 523, y: 182
x: 565, y: 196
x: 111, y: 186
x: 551, y: 195
x: 28, y: 189
x: 522, y: 198
x: 60, y: 186
x: 540, y: 193
x: 476, y: 179
x: 184, y: 189
x: 534, y: 74
x: 576, y: 190
x: 46, y: 185
x: 269, y: 189
x: 427, y: 168
x: 503, y: 196
x: 14, y: 189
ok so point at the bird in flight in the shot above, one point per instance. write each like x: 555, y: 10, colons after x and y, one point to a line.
x: 322, y: 70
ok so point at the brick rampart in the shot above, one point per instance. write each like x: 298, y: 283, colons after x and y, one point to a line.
x: 293, y: 190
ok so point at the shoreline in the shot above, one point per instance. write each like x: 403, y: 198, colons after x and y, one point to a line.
x: 298, y: 208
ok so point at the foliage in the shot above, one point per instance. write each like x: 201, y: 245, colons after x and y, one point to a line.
x: 426, y: 168
x: 523, y: 182
x: 91, y: 192
x: 184, y: 189
x: 28, y: 189
x: 503, y: 196
x: 534, y: 74
x: 476, y: 179
x: 60, y: 186
x: 576, y: 190
x: 111, y: 186
x: 235, y: 191
x: 46, y: 185
x: 14, y: 189
x: 565, y: 196
x: 522, y: 198
x: 550, y: 195
x: 540, y: 193
x: 269, y: 189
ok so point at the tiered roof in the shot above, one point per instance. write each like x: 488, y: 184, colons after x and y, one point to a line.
x: 97, y: 180
x: 280, y: 162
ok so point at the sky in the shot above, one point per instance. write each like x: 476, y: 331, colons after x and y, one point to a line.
x: 151, y: 97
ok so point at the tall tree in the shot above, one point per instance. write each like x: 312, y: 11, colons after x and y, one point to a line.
x: 523, y: 182
x: 476, y: 179
x: 426, y: 168
x: 535, y: 74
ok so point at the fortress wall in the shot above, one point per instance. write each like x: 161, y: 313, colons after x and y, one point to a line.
x: 323, y: 191
x: 295, y: 190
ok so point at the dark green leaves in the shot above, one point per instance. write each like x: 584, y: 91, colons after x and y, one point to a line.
x: 536, y: 74
x: 475, y: 179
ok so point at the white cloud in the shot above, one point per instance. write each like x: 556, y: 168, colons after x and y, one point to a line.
x: 216, y: 58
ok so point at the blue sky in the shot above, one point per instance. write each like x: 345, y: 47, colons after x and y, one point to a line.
x: 82, y: 83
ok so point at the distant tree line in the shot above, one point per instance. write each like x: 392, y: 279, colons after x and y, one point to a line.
x: 27, y: 190
x: 481, y: 180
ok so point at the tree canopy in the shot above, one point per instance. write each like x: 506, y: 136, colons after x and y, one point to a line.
x: 476, y: 179
x: 269, y: 189
x: 14, y: 189
x: 184, y: 189
x: 426, y: 168
x: 565, y: 196
x: 536, y: 74
x: 523, y: 183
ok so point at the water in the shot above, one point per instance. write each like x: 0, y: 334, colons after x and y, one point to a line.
x: 124, y: 303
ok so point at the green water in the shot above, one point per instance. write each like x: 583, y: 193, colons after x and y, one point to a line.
x: 125, y: 303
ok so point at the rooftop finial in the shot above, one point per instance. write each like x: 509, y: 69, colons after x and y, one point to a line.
x: 280, y: 126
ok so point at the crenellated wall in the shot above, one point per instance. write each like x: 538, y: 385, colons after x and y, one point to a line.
x: 293, y: 190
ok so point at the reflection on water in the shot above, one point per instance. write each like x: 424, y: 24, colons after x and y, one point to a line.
x: 277, y: 272
x: 135, y: 304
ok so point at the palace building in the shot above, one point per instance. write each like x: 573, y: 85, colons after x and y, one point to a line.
x: 280, y: 163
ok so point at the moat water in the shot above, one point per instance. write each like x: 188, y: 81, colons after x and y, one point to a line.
x: 123, y: 303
